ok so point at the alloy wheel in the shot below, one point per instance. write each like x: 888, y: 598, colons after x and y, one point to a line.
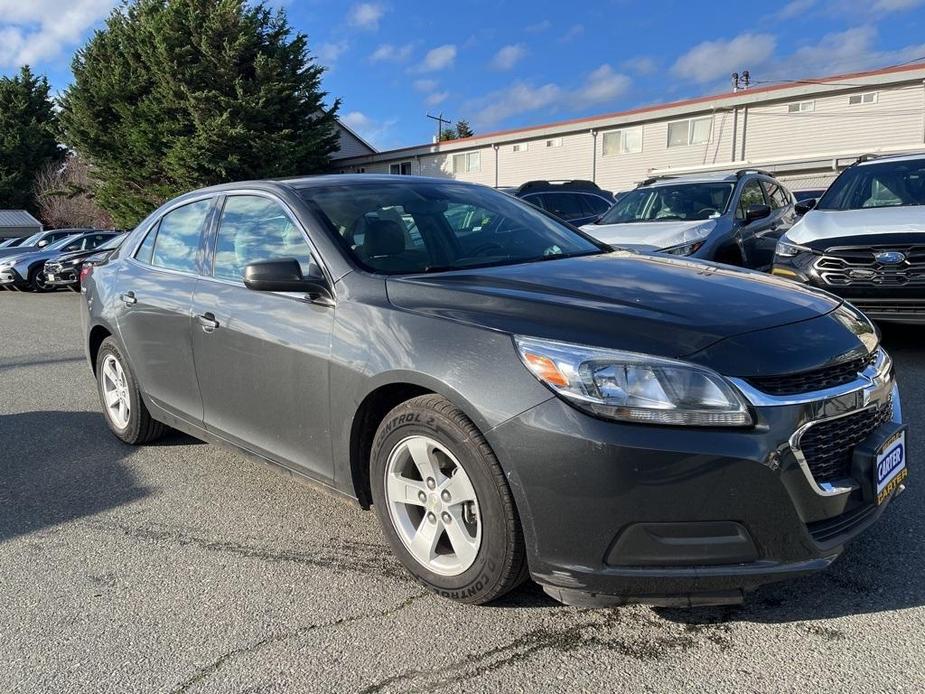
x: 433, y: 505
x: 115, y: 392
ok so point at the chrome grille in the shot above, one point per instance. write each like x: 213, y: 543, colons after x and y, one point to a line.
x: 811, y: 381
x: 849, y: 266
x: 828, y: 446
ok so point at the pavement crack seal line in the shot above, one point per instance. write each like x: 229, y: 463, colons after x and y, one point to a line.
x: 355, y: 557
x: 207, y: 671
x: 562, y: 640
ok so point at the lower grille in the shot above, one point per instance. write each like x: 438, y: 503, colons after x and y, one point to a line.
x: 827, y: 530
x: 817, y: 379
x: 899, y: 309
x: 828, y: 446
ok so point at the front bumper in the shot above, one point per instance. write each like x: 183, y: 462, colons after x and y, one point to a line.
x: 60, y: 277
x: 10, y: 278
x: 617, y: 513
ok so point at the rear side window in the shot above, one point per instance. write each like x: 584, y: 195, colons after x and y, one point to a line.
x: 565, y: 206
x: 256, y: 228
x: 595, y: 204
x: 177, y: 241
x: 146, y: 249
x: 776, y: 196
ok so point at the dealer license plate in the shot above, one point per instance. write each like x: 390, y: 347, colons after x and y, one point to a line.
x: 890, y: 469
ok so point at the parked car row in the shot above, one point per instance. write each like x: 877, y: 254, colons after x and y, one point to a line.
x: 513, y: 396
x: 54, y: 258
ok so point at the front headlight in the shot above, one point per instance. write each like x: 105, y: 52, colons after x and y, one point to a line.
x: 786, y: 249
x: 634, y: 387
x: 692, y: 240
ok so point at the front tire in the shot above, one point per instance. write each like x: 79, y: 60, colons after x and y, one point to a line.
x: 37, y: 280
x: 444, y: 504
x: 123, y: 408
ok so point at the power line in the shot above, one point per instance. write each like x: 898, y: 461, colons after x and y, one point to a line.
x: 836, y: 83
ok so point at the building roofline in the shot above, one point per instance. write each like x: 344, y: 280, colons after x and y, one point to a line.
x: 24, y: 215
x: 356, y: 135
x: 735, y: 98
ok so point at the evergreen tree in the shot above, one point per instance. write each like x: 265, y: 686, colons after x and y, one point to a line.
x: 27, y: 137
x: 173, y: 95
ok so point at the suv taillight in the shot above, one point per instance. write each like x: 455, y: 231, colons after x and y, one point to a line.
x: 85, y: 271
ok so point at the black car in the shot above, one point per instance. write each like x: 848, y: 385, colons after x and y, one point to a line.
x: 729, y: 217
x: 574, y: 201
x: 64, y: 270
x: 514, y: 398
x: 865, y: 239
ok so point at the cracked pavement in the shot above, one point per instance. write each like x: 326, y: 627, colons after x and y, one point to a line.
x: 181, y: 567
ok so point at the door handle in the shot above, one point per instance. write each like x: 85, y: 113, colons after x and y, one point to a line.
x: 128, y: 298
x: 207, y: 322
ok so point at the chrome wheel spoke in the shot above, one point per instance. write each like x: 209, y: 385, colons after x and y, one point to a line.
x: 422, y: 454
x: 112, y: 397
x: 406, y: 491
x: 424, y: 542
x: 109, y: 372
x: 115, y: 392
x: 459, y: 488
x: 464, y: 545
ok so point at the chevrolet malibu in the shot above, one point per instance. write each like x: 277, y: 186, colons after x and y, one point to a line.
x: 512, y: 397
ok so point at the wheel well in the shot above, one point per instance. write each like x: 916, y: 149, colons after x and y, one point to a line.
x: 369, y: 415
x: 97, y: 335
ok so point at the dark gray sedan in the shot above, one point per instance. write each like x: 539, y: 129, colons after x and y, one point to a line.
x: 513, y: 397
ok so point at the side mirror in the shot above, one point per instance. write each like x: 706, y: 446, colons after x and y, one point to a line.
x: 42, y: 243
x: 756, y: 212
x: 285, y: 276
x: 805, y: 206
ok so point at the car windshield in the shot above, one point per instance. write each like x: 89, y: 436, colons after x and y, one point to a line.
x: 670, y: 203
x: 114, y: 242
x: 61, y: 243
x: 885, y: 184
x: 32, y: 240
x: 430, y: 226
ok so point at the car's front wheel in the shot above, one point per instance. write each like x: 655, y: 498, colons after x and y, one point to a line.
x: 444, y: 503
x: 37, y: 280
x: 125, y: 411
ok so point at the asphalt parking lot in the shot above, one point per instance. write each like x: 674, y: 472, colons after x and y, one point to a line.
x: 181, y: 567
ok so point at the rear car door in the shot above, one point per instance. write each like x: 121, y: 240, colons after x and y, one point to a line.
x: 782, y: 218
x: 262, y: 357
x: 154, y: 320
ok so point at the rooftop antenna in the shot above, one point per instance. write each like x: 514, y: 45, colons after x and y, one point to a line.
x: 740, y: 81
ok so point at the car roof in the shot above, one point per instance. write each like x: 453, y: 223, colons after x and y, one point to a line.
x: 880, y: 159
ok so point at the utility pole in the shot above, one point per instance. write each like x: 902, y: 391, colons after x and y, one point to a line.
x: 440, y: 122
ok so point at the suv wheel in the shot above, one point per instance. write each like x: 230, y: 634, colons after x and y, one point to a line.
x: 125, y: 411
x: 444, y: 503
x: 37, y: 280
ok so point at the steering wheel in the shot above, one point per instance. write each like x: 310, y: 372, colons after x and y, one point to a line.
x: 708, y: 210
x: 487, y: 246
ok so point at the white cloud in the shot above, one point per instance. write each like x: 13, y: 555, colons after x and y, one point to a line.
x: 794, y: 8
x: 32, y: 31
x: 642, y: 65
x: 438, y: 58
x: 425, y: 85
x: 573, y: 33
x: 373, y: 130
x: 366, y: 15
x: 389, y: 53
x: 600, y: 86
x: 436, y: 98
x: 538, y: 27
x: 509, y: 56
x: 710, y: 60
x: 328, y: 53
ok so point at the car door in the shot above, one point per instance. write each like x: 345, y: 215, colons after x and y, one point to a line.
x: 153, y: 316
x: 752, y: 233
x: 262, y: 358
x: 781, y: 219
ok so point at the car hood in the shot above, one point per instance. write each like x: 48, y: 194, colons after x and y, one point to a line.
x: 19, y: 250
x: 644, y: 236
x: 652, y: 304
x: 818, y: 227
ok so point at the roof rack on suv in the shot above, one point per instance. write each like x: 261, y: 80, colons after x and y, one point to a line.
x: 763, y: 172
x: 652, y: 179
x: 571, y: 184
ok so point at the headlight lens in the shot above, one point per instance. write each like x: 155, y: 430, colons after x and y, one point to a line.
x: 634, y: 387
x: 693, y: 239
x: 786, y: 249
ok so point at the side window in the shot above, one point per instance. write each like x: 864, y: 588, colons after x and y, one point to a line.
x: 146, y: 249
x: 751, y: 195
x: 77, y: 245
x: 177, y: 240
x: 564, y: 205
x: 595, y: 204
x: 256, y: 228
x: 776, y: 197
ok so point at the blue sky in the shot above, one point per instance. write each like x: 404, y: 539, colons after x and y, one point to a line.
x: 510, y: 63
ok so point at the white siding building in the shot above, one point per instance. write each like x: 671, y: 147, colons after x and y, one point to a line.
x: 805, y: 131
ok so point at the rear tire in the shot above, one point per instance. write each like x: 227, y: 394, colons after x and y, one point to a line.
x: 444, y: 504
x: 123, y: 407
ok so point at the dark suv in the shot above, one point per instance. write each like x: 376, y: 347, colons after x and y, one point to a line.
x: 734, y: 218
x: 574, y: 201
x: 513, y: 397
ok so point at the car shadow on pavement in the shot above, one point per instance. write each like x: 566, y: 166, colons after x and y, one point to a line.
x: 58, y: 466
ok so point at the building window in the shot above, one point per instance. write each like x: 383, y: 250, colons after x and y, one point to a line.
x: 470, y: 162
x: 626, y: 141
x: 694, y: 131
x: 400, y: 169
x: 868, y: 98
x: 801, y: 107
x: 554, y: 142
x: 520, y: 147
